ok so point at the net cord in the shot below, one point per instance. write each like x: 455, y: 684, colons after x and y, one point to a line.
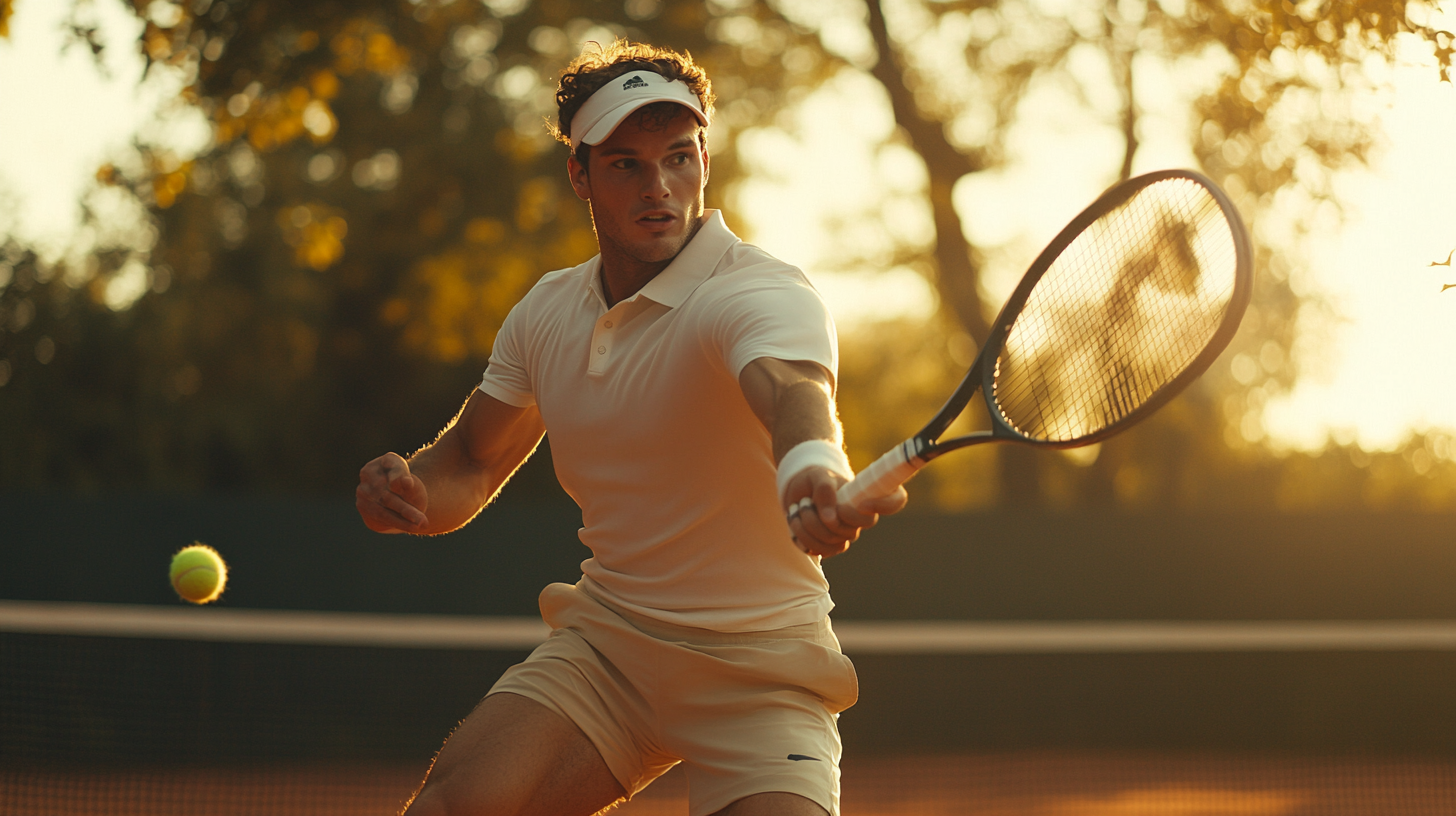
x: 856, y: 636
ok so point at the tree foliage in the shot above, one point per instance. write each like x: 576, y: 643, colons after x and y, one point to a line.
x: 323, y: 282
x: 1273, y: 125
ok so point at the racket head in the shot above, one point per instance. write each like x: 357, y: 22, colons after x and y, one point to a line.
x: 1130, y: 303
x: 1037, y: 328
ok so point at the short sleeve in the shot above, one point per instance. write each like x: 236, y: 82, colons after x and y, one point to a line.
x: 507, y: 377
x: 780, y: 316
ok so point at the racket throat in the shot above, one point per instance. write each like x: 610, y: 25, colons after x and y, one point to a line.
x: 917, y: 451
x: 928, y: 450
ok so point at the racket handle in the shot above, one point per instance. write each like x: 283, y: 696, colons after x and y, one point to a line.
x: 881, y: 478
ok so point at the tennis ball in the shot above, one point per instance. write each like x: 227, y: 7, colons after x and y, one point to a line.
x: 198, y: 573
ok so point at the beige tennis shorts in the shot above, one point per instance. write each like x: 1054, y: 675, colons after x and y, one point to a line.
x: 745, y: 713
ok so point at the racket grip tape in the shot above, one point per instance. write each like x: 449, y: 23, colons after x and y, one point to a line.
x: 882, y: 477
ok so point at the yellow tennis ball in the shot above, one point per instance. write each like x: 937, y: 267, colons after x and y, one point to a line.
x: 198, y: 573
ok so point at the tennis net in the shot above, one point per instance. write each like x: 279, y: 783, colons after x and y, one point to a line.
x: 117, y: 709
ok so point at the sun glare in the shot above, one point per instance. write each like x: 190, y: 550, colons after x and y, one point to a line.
x: 1385, y: 368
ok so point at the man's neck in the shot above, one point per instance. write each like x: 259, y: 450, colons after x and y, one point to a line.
x: 623, y: 276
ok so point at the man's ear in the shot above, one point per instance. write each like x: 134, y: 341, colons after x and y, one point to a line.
x: 703, y: 149
x: 580, y: 182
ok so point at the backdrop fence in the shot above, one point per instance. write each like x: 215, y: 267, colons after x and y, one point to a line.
x: 1008, y: 664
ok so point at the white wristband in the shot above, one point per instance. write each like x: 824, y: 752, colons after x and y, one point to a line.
x: 812, y: 453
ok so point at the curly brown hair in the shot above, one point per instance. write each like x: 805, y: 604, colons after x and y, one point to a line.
x: 597, y: 66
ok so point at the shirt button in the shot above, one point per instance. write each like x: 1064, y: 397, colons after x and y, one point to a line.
x: 609, y: 324
x: 601, y: 349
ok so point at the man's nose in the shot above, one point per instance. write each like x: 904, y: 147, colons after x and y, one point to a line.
x: 654, y: 185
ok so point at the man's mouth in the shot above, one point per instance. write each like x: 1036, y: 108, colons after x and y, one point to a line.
x: 656, y: 219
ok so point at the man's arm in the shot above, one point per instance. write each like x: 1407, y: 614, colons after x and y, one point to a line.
x: 795, y: 402
x: 455, y: 476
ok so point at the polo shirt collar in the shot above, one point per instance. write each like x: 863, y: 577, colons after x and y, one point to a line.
x: 693, y: 265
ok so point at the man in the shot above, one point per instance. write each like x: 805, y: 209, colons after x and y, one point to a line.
x: 686, y: 379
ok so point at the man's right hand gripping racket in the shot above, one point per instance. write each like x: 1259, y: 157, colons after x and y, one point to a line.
x: 1123, y: 309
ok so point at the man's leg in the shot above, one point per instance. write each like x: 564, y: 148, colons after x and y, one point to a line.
x: 514, y: 757
x: 773, y: 804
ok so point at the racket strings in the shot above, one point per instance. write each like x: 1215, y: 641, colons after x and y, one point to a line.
x: 1121, y: 312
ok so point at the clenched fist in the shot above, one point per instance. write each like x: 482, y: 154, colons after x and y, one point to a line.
x: 389, y: 498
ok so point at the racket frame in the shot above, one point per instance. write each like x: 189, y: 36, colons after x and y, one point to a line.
x: 927, y: 445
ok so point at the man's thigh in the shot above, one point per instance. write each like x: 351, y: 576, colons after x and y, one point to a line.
x: 773, y: 804
x: 513, y: 756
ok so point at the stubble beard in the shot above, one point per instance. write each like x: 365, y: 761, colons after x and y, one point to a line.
x: 654, y: 252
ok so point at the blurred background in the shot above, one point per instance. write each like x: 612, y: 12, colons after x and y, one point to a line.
x: 248, y: 245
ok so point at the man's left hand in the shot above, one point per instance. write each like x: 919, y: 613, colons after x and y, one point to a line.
x: 823, y: 526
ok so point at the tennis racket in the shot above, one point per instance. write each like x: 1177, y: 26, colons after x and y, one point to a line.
x: 1123, y: 309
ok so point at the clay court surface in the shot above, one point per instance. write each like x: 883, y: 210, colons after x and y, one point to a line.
x: 1013, y: 784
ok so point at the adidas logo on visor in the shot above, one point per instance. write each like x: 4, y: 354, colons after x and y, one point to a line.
x: 634, y: 82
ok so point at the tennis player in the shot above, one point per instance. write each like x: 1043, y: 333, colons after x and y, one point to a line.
x: 687, y: 380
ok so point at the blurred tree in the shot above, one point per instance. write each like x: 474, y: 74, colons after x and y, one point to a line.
x: 1274, y: 125
x: 1446, y: 263
x: 323, y: 281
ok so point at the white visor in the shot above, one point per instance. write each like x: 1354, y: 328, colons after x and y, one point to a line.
x: 615, y: 101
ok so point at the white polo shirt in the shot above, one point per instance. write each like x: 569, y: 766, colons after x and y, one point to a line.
x: 651, y: 434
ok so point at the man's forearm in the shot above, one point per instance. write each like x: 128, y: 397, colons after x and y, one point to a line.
x: 805, y: 411
x: 472, y: 459
x: 457, y: 487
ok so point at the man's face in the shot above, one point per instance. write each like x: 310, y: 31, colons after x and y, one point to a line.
x: 645, y: 185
